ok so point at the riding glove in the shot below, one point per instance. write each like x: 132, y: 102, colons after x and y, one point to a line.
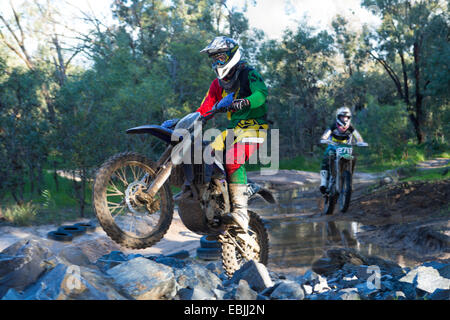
x: 238, y: 104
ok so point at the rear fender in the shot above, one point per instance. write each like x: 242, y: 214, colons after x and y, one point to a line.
x: 160, y: 132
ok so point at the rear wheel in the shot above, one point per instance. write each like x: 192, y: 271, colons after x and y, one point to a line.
x: 125, y: 216
x: 232, y: 259
x: 346, y: 191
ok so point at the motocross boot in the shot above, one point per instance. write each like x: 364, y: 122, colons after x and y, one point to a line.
x: 239, y: 200
x: 323, y: 181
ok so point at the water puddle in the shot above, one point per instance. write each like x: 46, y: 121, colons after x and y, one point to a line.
x: 299, y: 234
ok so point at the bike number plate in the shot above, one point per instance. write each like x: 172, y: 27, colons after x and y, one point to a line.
x: 344, y: 151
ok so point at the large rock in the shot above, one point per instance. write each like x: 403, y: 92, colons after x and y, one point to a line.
x: 68, y: 283
x: 255, y: 274
x: 335, y: 259
x: 96, y: 248
x: 113, y: 259
x: 74, y: 256
x: 346, y: 255
x: 144, y: 279
x: 427, y: 279
x: 21, y: 264
x: 325, y: 266
x: 288, y: 290
x: 244, y: 292
x: 194, y: 275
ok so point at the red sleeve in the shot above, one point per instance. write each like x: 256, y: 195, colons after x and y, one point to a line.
x: 213, y: 95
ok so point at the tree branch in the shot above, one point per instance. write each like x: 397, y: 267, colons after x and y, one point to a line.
x: 24, y: 54
x: 390, y: 72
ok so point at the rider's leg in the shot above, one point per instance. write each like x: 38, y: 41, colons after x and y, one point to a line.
x: 236, y: 156
x: 325, y: 168
x: 186, y: 191
x: 324, y: 172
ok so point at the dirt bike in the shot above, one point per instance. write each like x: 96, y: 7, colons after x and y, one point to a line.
x: 341, y: 168
x: 133, y: 200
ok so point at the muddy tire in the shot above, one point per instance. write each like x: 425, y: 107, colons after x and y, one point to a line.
x: 346, y: 191
x: 209, y: 241
x: 74, y: 230
x: 231, y: 257
x: 209, y: 253
x: 329, y: 204
x: 60, y: 235
x: 112, y: 175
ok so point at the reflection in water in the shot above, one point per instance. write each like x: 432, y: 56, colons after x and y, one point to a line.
x: 298, y: 235
x: 299, y: 243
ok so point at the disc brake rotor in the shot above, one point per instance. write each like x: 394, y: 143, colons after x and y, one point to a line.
x: 130, y: 196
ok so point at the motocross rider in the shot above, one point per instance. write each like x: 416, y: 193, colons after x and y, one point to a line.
x: 341, y: 131
x: 246, y: 115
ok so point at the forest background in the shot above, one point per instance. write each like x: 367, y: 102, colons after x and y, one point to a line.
x: 68, y: 94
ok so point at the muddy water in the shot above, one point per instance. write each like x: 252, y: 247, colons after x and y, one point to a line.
x: 299, y: 234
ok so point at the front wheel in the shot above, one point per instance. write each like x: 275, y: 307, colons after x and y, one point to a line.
x: 346, y: 191
x: 232, y: 258
x: 329, y: 203
x: 125, y: 216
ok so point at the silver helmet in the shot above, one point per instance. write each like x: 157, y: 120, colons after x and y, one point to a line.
x: 343, y: 112
x: 225, y: 54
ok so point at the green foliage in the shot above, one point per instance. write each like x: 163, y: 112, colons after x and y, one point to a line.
x: 21, y: 215
x: 385, y: 128
x: 24, y: 129
x: 295, y: 69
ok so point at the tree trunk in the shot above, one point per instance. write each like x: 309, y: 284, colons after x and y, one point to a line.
x: 83, y: 192
x: 55, y: 176
x: 417, y: 127
x: 419, y: 96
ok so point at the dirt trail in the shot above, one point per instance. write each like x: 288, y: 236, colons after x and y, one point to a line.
x: 412, y: 217
x: 434, y: 163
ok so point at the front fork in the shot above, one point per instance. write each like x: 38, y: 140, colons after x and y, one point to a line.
x: 334, y: 167
x: 164, y: 169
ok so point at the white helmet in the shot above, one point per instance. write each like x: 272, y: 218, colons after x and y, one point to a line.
x: 225, y: 53
x: 343, y: 112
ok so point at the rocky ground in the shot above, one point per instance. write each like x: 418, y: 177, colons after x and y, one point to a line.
x: 30, y: 271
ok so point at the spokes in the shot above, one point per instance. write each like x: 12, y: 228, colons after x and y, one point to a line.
x: 131, y: 210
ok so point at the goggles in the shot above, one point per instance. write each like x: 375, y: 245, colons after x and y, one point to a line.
x: 219, y: 59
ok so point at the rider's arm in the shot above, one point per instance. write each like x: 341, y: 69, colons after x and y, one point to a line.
x: 357, y: 136
x: 258, y: 88
x: 212, y: 96
x: 326, y: 135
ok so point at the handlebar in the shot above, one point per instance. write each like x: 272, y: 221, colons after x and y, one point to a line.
x: 221, y: 106
x: 358, y: 144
